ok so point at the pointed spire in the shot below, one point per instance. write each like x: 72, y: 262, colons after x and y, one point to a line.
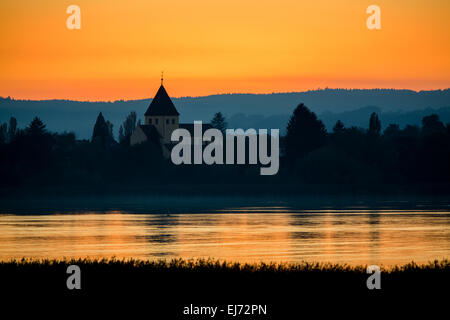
x: 161, y: 105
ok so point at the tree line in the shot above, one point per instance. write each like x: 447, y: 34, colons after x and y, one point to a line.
x: 357, y: 156
x: 34, y: 157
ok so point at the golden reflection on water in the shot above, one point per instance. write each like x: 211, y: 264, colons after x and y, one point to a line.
x: 245, y: 234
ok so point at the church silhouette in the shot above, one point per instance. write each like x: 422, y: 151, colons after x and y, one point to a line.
x: 161, y: 119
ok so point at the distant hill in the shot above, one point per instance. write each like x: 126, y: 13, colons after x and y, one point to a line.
x: 242, y: 110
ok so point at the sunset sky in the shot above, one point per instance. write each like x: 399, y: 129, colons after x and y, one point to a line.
x: 219, y: 46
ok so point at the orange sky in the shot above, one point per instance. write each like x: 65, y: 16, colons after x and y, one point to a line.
x: 219, y: 46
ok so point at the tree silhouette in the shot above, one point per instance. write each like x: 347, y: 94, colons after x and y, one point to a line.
x: 305, y: 133
x: 338, y: 127
x: 12, y: 129
x: 348, y: 160
x: 3, y: 133
x: 374, y: 124
x: 36, y: 127
x: 122, y: 138
x: 102, y: 133
x: 411, y: 131
x: 110, y: 129
x: 432, y: 125
x: 219, y: 122
x: 130, y: 123
x: 434, y: 151
x: 392, y: 131
x: 127, y: 128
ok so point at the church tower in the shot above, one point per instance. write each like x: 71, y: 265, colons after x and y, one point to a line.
x: 161, y: 118
x: 162, y: 114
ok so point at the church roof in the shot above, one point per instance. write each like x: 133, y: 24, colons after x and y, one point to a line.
x: 161, y: 105
x: 149, y: 130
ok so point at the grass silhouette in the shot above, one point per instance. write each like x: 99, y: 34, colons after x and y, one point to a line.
x: 215, y: 265
x: 167, y: 286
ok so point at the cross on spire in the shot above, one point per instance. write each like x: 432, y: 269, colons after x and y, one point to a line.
x: 162, y: 77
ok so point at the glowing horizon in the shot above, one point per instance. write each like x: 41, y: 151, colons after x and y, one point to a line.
x: 215, y: 47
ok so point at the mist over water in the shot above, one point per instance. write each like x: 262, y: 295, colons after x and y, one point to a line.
x: 353, y: 235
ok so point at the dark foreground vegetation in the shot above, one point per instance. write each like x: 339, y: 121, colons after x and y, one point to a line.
x: 164, y: 288
x: 380, y: 159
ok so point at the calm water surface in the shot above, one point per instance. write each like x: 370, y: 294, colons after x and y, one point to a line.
x: 246, y: 234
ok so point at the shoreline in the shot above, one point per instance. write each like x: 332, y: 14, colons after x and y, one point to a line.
x: 264, y: 188
x: 141, y: 203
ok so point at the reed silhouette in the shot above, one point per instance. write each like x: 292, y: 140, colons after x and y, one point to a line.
x: 163, y: 288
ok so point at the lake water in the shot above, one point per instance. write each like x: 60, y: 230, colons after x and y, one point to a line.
x: 352, y: 235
